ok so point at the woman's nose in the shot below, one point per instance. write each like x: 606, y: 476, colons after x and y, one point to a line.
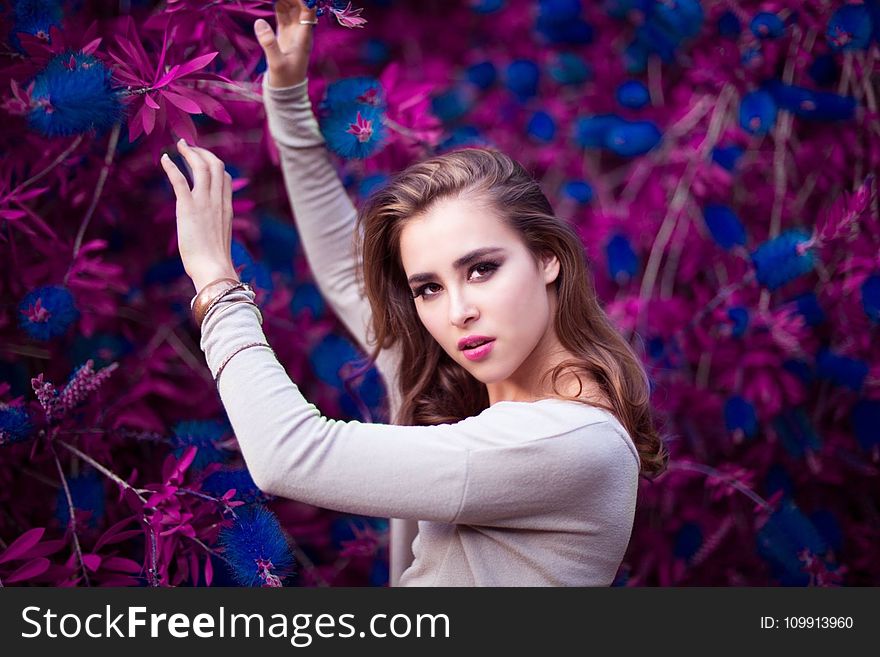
x: 461, y: 309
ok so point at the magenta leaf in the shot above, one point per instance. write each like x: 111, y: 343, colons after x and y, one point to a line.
x: 29, y: 570
x: 21, y: 546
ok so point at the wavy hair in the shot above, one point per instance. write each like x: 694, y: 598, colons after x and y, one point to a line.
x: 434, y: 389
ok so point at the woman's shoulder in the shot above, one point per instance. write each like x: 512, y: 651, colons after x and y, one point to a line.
x: 556, y: 416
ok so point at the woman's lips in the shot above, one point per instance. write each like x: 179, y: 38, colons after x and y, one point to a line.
x: 479, y: 353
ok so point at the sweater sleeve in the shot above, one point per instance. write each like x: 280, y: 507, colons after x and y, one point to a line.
x: 383, y: 470
x: 324, y: 214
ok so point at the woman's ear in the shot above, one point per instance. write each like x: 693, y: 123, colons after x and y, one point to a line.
x: 549, y: 266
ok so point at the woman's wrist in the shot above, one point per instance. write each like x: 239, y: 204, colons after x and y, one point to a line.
x: 202, y: 279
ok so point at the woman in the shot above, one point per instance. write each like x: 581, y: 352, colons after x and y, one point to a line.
x: 517, y: 461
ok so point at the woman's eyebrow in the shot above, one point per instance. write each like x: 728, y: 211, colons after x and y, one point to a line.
x: 463, y: 261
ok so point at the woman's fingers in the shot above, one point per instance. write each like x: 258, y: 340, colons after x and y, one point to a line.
x: 216, y: 171
x: 176, y: 177
x: 227, y: 200
x: 197, y: 166
x: 269, y: 43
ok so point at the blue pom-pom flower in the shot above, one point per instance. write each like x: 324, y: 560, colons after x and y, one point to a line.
x: 73, y: 95
x: 328, y: 357
x: 256, y: 549
x: 724, y: 226
x: 623, y: 263
x: 633, y: 94
x: 352, y: 117
x: 308, y: 296
x: 767, y: 25
x: 757, y: 112
x: 632, y: 138
x: 727, y: 156
x: 850, y: 28
x: 739, y: 415
x: 782, y: 538
x: 841, y: 370
x: 87, y: 493
x: 779, y: 260
x: 521, y: 78
x: 203, y: 434
x: 15, y: 425
x: 739, y: 320
x: 541, y: 126
x: 47, y: 312
x: 35, y: 17
x: 809, y: 104
x: 865, y: 419
x: 579, y: 190
x: 871, y: 297
x: 482, y: 74
x: 217, y: 483
x: 569, y: 68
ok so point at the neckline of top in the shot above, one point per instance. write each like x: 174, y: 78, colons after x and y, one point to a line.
x: 556, y: 399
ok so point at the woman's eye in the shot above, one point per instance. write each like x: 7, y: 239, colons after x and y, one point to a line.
x: 484, y: 268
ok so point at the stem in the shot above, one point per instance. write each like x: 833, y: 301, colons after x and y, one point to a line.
x: 99, y: 188
x: 72, y: 520
x: 55, y: 163
x: 732, y: 481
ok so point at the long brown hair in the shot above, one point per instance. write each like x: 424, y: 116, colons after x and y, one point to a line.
x: 434, y: 389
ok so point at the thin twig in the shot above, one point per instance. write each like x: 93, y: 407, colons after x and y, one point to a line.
x: 99, y: 188
x: 55, y: 163
x: 72, y: 520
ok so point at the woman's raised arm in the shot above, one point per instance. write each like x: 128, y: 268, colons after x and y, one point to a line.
x: 324, y: 215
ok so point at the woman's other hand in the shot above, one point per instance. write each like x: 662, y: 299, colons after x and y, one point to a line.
x: 287, y: 53
x: 204, y: 215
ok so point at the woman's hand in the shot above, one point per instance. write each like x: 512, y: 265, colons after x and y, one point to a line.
x: 204, y: 215
x: 287, y: 54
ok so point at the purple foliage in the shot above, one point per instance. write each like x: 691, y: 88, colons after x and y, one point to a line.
x: 715, y: 158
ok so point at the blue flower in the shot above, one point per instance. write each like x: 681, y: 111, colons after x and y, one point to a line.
x: 375, y: 52
x: 777, y: 261
x: 824, y: 70
x: 521, y: 78
x: 796, y: 432
x: 623, y: 263
x: 451, y: 104
x: 578, y: 190
x: 202, y: 434
x: 801, y: 369
x: 739, y: 414
x: 73, y: 95
x: 757, y: 112
x: 808, y: 306
x: 560, y: 22
x: 590, y: 131
x: 47, y: 312
x: 482, y: 74
x: 329, y: 356
x: 487, y: 6
x: 217, y: 483
x: 541, y: 126
x: 767, y: 25
x: 727, y: 156
x: 307, y: 295
x: 256, y: 548
x: 462, y: 136
x: 35, y: 17
x: 829, y: 527
x: 729, y: 25
x: 865, y: 420
x: 688, y: 541
x: 725, y: 227
x: 739, y: 317
x: 570, y: 68
x: 818, y: 105
x: 785, y: 534
x: 87, y: 492
x: 15, y: 425
x: 841, y: 370
x: 279, y: 242
x: 632, y: 138
x: 871, y: 297
x: 355, y: 131
x: 849, y: 28
x: 360, y: 90
x: 633, y: 94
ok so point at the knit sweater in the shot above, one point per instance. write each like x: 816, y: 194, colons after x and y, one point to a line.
x: 536, y: 493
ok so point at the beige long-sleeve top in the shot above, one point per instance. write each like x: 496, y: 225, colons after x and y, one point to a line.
x: 524, y: 494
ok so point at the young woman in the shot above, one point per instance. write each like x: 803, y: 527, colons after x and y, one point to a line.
x: 512, y: 463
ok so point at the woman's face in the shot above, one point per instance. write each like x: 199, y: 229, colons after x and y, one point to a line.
x: 501, y: 294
